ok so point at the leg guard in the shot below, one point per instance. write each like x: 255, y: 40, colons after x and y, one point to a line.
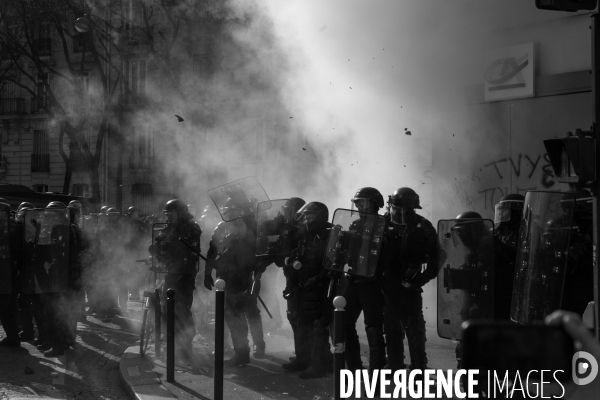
x: 376, y: 348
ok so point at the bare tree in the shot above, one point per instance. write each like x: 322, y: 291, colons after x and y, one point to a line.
x: 58, y: 76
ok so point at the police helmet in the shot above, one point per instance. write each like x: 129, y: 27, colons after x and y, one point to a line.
x: 405, y: 197
x: 369, y: 193
x: 56, y: 204
x: 25, y: 205
x: 294, y: 204
x: 316, y: 214
x: 4, y: 206
x: 112, y: 210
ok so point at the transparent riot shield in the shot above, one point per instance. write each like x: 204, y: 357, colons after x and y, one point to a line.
x: 6, y: 278
x: 108, y: 222
x: 89, y: 224
x: 465, y: 274
x: 46, y: 250
x: 354, y: 243
x: 239, y: 198
x: 159, y: 246
x: 541, y: 255
x: 273, y: 228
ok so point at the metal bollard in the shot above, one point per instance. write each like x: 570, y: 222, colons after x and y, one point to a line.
x: 219, y: 338
x: 339, y: 343
x: 171, y: 335
x: 157, y: 324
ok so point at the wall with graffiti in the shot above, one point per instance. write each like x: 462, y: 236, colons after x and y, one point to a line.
x: 482, y: 152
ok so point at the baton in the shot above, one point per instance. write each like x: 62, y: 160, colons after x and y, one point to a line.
x: 265, y: 306
x: 257, y: 277
x: 182, y: 240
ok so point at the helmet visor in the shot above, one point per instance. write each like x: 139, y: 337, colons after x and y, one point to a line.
x: 399, y: 215
x: 502, y: 212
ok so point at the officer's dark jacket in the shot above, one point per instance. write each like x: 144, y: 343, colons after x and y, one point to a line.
x: 419, y: 246
x: 233, y: 254
x: 312, y: 277
x: 176, y: 256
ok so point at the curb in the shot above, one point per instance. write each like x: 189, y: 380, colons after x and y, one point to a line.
x: 139, y: 378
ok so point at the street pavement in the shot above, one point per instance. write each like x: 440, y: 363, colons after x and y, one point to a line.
x: 145, y: 377
x: 106, y: 365
x: 89, y: 371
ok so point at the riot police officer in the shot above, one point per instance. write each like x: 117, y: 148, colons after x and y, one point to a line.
x: 507, y: 218
x: 29, y: 303
x: 365, y: 295
x: 412, y: 244
x: 10, y: 257
x: 181, y: 265
x: 314, y: 311
x: 578, y: 287
x: 232, y: 253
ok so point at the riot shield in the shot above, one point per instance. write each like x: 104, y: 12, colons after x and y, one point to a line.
x: 354, y: 243
x: 273, y: 228
x: 465, y: 274
x: 89, y: 225
x: 6, y: 278
x: 46, y: 250
x: 159, y: 246
x: 108, y: 222
x: 239, y: 198
x: 541, y: 255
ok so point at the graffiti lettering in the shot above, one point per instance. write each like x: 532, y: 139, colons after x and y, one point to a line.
x: 548, y: 177
x: 495, y: 164
x: 533, y: 164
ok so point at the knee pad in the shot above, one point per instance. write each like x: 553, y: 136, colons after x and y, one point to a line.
x: 374, y: 336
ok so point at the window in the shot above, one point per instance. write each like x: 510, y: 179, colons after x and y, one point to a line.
x: 81, y: 41
x: 40, y: 102
x: 136, y: 74
x: 12, y: 32
x: 81, y: 190
x: 40, y: 188
x: 140, y: 196
x: 42, y: 41
x: 142, y: 149
x: 134, y: 13
x: 9, y: 102
x: 40, y: 156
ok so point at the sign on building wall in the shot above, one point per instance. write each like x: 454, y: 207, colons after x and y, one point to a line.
x: 510, y: 72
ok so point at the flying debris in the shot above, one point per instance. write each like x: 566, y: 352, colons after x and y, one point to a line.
x: 350, y: 87
x: 407, y: 132
x: 179, y: 119
x: 291, y: 117
x: 304, y: 148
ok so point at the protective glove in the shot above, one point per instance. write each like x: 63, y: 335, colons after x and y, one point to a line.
x: 208, y: 282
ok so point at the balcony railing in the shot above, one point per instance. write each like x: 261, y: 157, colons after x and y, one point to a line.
x: 38, y: 105
x: 140, y: 163
x: 15, y: 105
x: 40, y: 163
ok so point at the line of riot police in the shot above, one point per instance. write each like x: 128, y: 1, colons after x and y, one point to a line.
x: 378, y: 262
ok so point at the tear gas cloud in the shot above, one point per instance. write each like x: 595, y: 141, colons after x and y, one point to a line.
x: 316, y: 99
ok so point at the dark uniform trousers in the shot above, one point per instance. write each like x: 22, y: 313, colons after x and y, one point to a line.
x: 364, y: 295
x: 403, y: 315
x: 241, y: 313
x: 314, y: 314
x: 7, y: 315
x: 184, y: 286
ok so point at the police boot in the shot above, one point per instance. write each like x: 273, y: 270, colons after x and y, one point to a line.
x: 319, y: 343
x: 415, y: 333
x: 303, y: 345
x: 395, y: 349
x: 239, y: 359
x: 259, y: 350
